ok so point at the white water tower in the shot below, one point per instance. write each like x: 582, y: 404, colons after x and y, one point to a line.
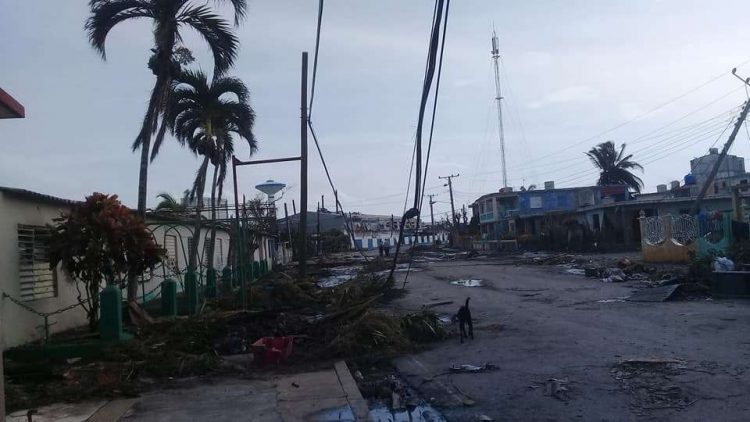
x: 270, y: 188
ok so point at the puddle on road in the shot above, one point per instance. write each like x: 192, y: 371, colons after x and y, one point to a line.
x: 423, y: 413
x: 468, y: 283
x: 339, y: 275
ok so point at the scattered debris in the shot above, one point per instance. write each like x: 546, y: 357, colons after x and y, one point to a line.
x: 557, y: 388
x: 434, y: 304
x: 421, y: 413
x: 576, y: 271
x: 723, y: 264
x: 473, y: 368
x: 654, y: 294
x: 468, y: 283
x: 614, y: 275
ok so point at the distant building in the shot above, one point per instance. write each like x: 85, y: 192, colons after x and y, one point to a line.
x: 222, y: 208
x: 369, y: 230
x: 731, y: 168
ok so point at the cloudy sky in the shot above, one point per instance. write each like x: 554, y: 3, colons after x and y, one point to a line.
x: 652, y: 74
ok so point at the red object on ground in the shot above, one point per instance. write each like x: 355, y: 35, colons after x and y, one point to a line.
x: 272, y: 349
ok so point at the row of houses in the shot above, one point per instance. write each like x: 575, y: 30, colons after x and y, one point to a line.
x: 604, y: 217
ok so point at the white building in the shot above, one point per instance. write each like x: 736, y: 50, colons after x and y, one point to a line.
x: 26, y: 281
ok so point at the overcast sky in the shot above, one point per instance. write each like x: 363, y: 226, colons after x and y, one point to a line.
x: 572, y: 70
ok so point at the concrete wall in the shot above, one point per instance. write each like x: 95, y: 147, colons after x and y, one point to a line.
x: 173, y: 236
x: 17, y: 324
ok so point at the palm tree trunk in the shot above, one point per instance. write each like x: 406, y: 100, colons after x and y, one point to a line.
x: 212, y: 245
x: 193, y: 261
x: 144, y: 140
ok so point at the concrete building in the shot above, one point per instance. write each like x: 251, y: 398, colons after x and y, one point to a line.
x: 26, y: 281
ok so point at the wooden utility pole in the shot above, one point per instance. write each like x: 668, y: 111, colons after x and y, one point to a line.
x: 303, y: 169
x: 450, y: 189
x: 432, y: 214
x: 294, y: 208
x: 322, y: 201
x: 727, y: 145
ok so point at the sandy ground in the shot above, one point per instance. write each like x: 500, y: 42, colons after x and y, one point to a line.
x: 538, y: 323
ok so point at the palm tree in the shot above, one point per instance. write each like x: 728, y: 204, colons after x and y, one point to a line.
x: 206, y: 116
x: 172, y: 204
x: 615, y: 167
x: 169, y: 17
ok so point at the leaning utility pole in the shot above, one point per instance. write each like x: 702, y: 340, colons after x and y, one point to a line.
x: 303, y: 169
x: 450, y: 188
x: 499, y: 99
x: 432, y: 215
x: 715, y: 169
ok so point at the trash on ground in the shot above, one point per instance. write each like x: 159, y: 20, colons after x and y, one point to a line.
x: 611, y: 300
x: 434, y: 304
x: 654, y: 294
x: 421, y: 413
x: 614, y: 275
x: 468, y: 283
x: 272, y: 350
x: 723, y: 264
x: 473, y: 368
x: 557, y: 388
x: 576, y: 271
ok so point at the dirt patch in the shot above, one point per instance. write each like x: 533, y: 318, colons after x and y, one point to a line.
x: 651, y: 384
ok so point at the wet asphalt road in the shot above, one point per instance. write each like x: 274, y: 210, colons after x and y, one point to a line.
x: 537, y: 323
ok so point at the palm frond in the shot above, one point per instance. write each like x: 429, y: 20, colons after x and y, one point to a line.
x: 215, y: 31
x: 106, y: 14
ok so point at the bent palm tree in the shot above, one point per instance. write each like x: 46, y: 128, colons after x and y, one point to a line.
x: 169, y: 17
x: 205, y: 117
x: 615, y: 167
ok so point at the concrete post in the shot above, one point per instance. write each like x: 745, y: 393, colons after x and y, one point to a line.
x: 191, y: 291
x: 211, y: 283
x: 226, y: 279
x: 169, y: 297
x: 110, y: 322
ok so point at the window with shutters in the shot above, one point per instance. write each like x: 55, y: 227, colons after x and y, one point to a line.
x: 170, y: 244
x: 37, y: 280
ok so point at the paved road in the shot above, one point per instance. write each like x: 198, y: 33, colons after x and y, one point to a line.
x: 537, y: 323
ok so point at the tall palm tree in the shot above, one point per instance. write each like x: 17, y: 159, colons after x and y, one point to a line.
x: 169, y: 17
x: 615, y: 167
x: 206, y: 116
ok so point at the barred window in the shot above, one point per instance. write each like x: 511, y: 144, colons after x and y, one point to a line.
x: 37, y: 280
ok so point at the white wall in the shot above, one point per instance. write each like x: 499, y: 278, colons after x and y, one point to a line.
x: 18, y: 325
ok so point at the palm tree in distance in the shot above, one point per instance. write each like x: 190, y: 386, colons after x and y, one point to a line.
x: 206, y: 117
x: 169, y: 17
x: 172, y: 204
x: 615, y: 167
